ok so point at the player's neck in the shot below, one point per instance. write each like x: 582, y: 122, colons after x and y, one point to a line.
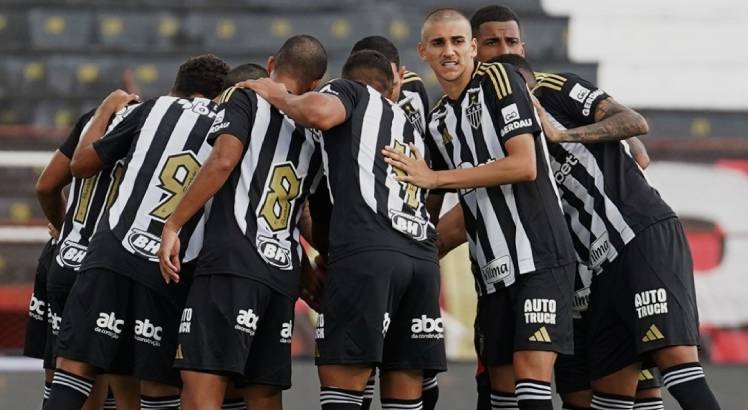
x: 454, y: 88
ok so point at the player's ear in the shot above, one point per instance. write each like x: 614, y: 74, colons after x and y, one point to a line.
x: 270, y: 64
x: 401, y: 72
x: 524, y: 49
x: 421, y: 51
x: 473, y: 47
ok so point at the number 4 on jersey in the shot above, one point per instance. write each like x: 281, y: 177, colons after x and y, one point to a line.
x: 410, y: 190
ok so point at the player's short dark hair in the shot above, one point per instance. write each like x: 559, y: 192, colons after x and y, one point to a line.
x: 243, y: 72
x: 302, y: 56
x: 491, y: 13
x: 369, y: 67
x: 380, y: 44
x: 202, y: 74
x: 442, y: 13
x: 518, y: 61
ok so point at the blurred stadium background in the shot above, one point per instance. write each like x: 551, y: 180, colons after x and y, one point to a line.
x: 679, y: 62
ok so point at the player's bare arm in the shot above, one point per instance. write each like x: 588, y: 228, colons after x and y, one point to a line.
x: 226, y: 153
x: 613, y: 122
x: 311, y: 109
x: 639, y: 152
x: 86, y: 161
x: 518, y: 166
x: 49, y: 188
x: 451, y: 230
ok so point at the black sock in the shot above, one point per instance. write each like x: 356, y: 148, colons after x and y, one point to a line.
x: 687, y: 384
x: 159, y: 403
x: 430, y: 393
x: 601, y: 401
x: 396, y: 404
x: 47, y: 391
x: 109, y: 403
x: 332, y: 398
x: 533, y: 394
x: 369, y: 392
x: 69, y: 391
x: 233, y: 404
x: 503, y: 401
x: 483, y: 387
x: 653, y: 403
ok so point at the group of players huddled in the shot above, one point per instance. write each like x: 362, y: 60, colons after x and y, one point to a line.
x: 177, y: 258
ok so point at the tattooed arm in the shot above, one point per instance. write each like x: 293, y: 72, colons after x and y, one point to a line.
x: 613, y: 122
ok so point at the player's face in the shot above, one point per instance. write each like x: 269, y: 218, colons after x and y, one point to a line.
x: 497, y: 38
x: 448, y: 48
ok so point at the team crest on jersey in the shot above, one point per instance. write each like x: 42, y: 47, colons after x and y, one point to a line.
x: 71, y: 254
x: 143, y: 243
x: 274, y: 253
x: 410, y: 225
x: 414, y: 116
x: 474, y: 108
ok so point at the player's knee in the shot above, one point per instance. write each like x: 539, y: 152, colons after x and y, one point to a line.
x: 581, y: 399
x: 154, y: 389
x: 76, y: 367
x: 675, y: 355
x: 402, y: 384
x: 348, y: 377
x: 651, y: 393
x: 533, y: 364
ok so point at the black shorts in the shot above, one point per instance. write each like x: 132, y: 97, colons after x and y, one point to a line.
x: 238, y: 327
x: 55, y: 307
x: 382, y: 308
x: 120, y: 326
x: 36, y: 326
x: 532, y: 314
x: 573, y: 373
x: 643, y: 301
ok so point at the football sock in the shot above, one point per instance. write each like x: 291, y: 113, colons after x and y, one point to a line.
x: 159, y: 403
x: 430, y: 393
x: 369, y: 392
x: 687, y: 384
x: 69, y: 391
x: 233, y: 404
x: 503, y: 401
x: 332, y: 398
x: 533, y: 394
x: 601, y: 401
x: 395, y: 404
x: 47, y: 390
x: 653, y: 403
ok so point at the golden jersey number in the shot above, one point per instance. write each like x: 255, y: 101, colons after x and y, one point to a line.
x: 118, y: 172
x: 283, y: 188
x: 411, y: 191
x: 88, y: 186
x: 177, y: 174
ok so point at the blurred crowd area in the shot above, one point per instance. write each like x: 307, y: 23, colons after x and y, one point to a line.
x: 60, y: 58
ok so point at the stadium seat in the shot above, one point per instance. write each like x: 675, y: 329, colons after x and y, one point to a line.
x: 296, y: 5
x: 137, y: 31
x: 546, y: 38
x: 14, y: 30
x: 469, y: 6
x: 60, y: 29
x: 23, y: 77
x: 153, y: 77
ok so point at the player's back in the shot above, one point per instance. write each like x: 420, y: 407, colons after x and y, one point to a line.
x: 371, y: 210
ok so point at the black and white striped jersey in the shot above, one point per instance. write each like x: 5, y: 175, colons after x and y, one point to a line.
x: 512, y: 229
x: 605, y: 196
x: 87, y: 199
x: 163, y: 144
x: 370, y: 209
x: 414, y: 101
x: 252, y: 229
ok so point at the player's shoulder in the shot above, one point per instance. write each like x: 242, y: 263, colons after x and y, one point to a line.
x: 495, y: 76
x: 439, y: 109
x: 558, y: 81
x: 412, y: 80
x: 235, y: 94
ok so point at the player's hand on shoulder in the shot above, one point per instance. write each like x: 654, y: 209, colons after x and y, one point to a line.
x: 168, y: 254
x: 117, y: 100
x: 417, y: 171
x: 264, y: 87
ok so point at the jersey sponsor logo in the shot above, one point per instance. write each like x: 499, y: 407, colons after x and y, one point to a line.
x: 198, y: 106
x: 185, y: 323
x: 579, y: 93
x: 274, y: 253
x: 246, y: 321
x: 386, y: 321
x: 599, y: 250
x: 427, y: 328
x: 588, y: 103
x: 540, y: 310
x: 108, y: 324
x: 497, y: 270
x: 565, y: 169
x: 410, y: 225
x: 650, y: 302
x: 474, y: 109
x: 37, y: 308
x: 653, y: 334
x: 72, y: 254
x: 510, y: 113
x: 147, y: 332
x: 515, y: 126
x: 541, y: 335
x: 581, y: 301
x: 286, y: 332
x: 319, y: 331
x: 144, y: 243
x: 219, y: 123
x: 54, y: 321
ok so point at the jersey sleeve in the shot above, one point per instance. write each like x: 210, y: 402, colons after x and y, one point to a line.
x: 413, y: 83
x: 509, y: 102
x: 68, y: 147
x: 122, y: 131
x: 235, y: 115
x: 570, y: 95
x: 347, y: 92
